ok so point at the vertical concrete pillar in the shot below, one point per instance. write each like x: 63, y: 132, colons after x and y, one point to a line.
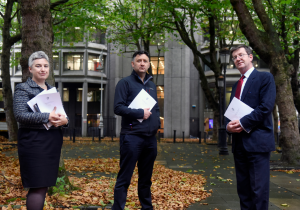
x: 12, y: 87
x: 177, y: 89
x: 60, y: 89
x: 122, y: 65
x: 84, y: 108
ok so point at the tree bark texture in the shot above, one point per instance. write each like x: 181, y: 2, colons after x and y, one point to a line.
x: 8, y: 41
x: 267, y: 45
x: 275, y: 116
x: 294, y: 80
x: 37, y: 34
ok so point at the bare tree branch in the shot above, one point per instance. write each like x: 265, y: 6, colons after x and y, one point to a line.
x: 59, y: 22
x: 18, y: 10
x: 16, y: 38
x: 55, y: 4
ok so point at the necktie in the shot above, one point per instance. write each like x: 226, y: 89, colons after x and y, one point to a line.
x: 239, y: 87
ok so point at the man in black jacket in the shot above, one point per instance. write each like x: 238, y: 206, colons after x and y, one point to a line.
x: 137, y: 139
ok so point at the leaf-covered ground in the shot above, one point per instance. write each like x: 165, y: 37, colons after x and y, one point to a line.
x: 170, y: 189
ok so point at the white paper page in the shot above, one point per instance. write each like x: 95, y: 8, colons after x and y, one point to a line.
x: 47, y: 102
x: 237, y: 109
x: 141, y: 101
x: 33, y: 101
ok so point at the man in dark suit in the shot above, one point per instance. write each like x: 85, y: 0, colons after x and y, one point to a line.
x: 252, y: 135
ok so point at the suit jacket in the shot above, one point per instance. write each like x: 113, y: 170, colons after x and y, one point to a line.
x: 260, y: 94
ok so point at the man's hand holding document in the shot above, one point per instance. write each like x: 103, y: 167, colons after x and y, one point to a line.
x: 237, y: 109
x: 141, y: 101
x: 45, y: 102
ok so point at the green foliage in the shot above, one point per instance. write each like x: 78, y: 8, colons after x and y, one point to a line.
x: 61, y: 187
x: 285, y: 18
x: 76, y: 21
x: 13, y: 199
x: 133, y: 23
x: 15, y: 21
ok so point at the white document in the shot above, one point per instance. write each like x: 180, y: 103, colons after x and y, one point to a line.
x: 32, y: 102
x: 237, y: 109
x: 47, y: 102
x: 141, y: 101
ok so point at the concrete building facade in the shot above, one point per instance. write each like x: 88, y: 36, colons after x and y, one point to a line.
x: 181, y: 100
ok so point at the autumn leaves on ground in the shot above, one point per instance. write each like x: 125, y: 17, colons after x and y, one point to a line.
x: 170, y: 189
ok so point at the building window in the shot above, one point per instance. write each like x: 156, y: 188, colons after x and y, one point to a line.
x: 93, y: 94
x: 160, y: 100
x: 206, y: 68
x: 79, y: 94
x: 55, y: 62
x: 66, y: 94
x: 94, y: 64
x: 160, y: 92
x: 98, y: 36
x: 92, y: 120
x: 158, y: 65
x: 73, y: 61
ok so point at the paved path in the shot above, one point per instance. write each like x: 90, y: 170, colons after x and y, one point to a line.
x: 284, y: 188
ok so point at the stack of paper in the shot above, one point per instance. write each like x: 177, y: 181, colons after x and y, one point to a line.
x: 45, y: 103
x: 237, y: 109
x: 141, y: 101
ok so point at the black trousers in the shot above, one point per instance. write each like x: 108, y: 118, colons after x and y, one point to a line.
x: 135, y: 149
x: 253, y: 178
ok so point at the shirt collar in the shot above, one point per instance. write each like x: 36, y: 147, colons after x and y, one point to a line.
x: 247, y: 74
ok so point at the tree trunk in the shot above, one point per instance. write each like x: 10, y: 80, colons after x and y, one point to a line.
x: 267, y: 46
x: 275, y: 117
x: 38, y: 36
x: 294, y: 76
x: 290, y: 141
x: 8, y: 41
x: 37, y: 33
x: 295, y: 63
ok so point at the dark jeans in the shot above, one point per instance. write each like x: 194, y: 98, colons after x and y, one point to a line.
x: 141, y: 149
x: 253, y: 178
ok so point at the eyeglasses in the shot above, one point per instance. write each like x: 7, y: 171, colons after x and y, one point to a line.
x: 238, y: 56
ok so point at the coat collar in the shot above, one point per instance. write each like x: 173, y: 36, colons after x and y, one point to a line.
x: 32, y: 83
x: 147, y: 77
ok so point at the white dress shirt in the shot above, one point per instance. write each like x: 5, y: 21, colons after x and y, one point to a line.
x: 247, y: 75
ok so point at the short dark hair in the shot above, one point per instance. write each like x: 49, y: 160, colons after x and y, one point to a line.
x: 247, y: 48
x: 140, y: 52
